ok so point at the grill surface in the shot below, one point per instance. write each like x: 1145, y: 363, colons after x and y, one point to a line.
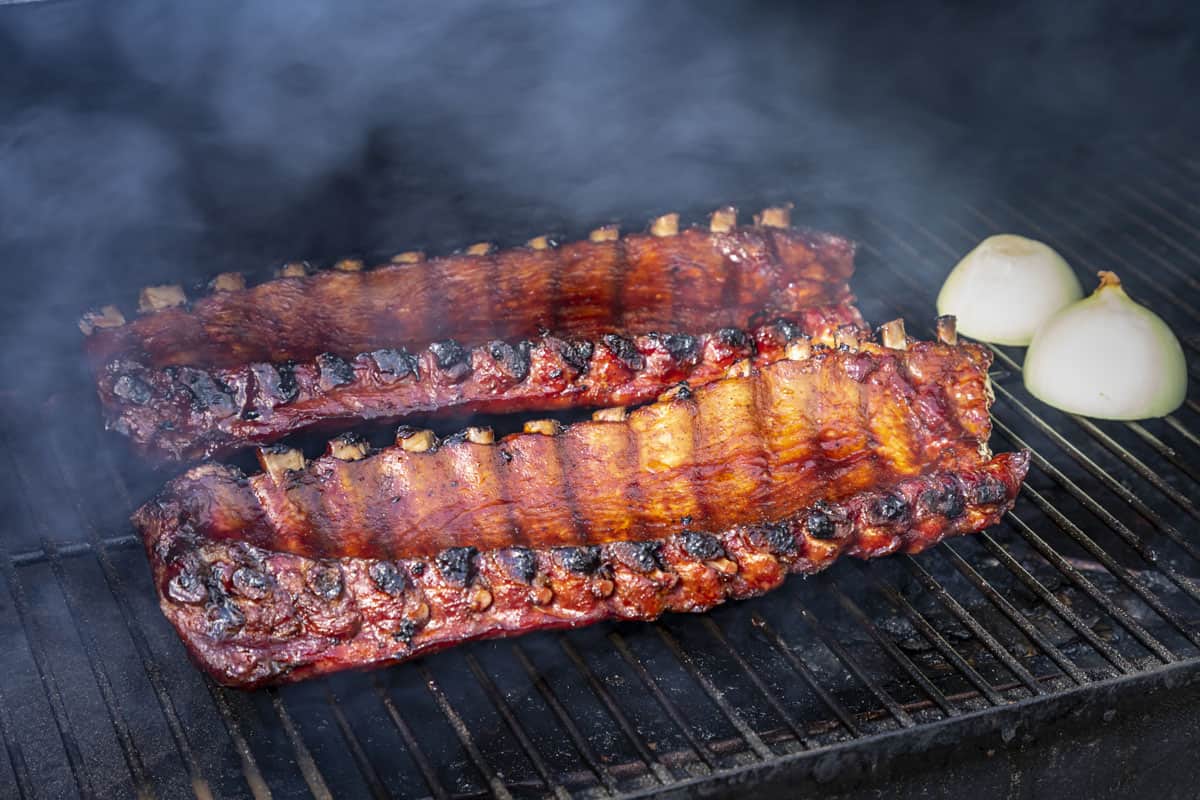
x: 1088, y: 593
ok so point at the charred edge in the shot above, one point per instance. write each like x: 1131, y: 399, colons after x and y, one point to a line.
x: 625, y: 351
x: 458, y: 564
x: 334, y: 370
x: 577, y: 353
x: 396, y: 362
x: 514, y: 359
x: 447, y: 354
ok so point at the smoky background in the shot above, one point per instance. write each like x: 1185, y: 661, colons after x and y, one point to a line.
x: 147, y: 142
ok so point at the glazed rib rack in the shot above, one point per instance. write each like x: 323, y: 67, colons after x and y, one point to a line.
x: 1087, y: 590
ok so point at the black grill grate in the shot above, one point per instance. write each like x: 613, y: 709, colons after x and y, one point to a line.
x: 1091, y: 582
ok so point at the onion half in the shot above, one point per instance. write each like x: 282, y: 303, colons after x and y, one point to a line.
x: 1107, y: 357
x: 1006, y: 287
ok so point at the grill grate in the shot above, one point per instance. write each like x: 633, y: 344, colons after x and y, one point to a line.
x: 1092, y: 581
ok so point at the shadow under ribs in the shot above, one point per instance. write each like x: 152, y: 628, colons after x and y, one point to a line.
x: 711, y: 493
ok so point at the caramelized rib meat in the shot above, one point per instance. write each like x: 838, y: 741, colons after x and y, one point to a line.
x: 762, y: 446
x: 251, y: 616
x: 186, y: 414
x: 693, y: 281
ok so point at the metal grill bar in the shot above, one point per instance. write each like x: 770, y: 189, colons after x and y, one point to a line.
x: 129, y: 750
x: 935, y: 638
x: 895, y: 709
x: 610, y: 705
x: 374, y: 783
x: 1096, y: 595
x: 1130, y: 538
x: 1015, y: 616
x: 664, y: 702
x: 1064, y: 612
x: 410, y: 742
x: 803, y: 670
x: 905, y: 663
x: 510, y: 720
x: 564, y: 719
x: 1111, y: 483
x: 759, y: 683
x: 967, y: 619
x: 1089, y: 588
x: 464, y: 734
x: 308, y: 766
x: 715, y: 694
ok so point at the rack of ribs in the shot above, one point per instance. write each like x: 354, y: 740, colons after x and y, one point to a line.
x: 713, y: 492
x: 469, y: 333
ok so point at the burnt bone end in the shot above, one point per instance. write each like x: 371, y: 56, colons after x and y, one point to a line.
x: 946, y: 499
x: 640, y: 556
x: 206, y: 391
x: 702, y: 546
x: 889, y: 508
x: 397, y: 362
x: 514, y: 359
x: 822, y: 521
x: 625, y: 350
x: 736, y: 338
x: 681, y: 346
x: 578, y: 354
x: 387, y: 578
x: 133, y: 390
x: 447, y: 353
x: 325, y: 580
x: 521, y: 563
x: 457, y: 564
x: 988, y: 491
x: 335, y: 370
x: 580, y: 560
x: 780, y: 540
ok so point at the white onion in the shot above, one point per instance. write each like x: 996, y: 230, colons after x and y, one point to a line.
x: 1107, y: 357
x: 1006, y: 287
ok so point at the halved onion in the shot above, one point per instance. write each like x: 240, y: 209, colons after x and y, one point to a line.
x: 1107, y: 357
x: 1006, y: 287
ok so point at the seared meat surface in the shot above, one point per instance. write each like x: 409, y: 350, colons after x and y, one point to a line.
x: 186, y: 414
x: 755, y: 446
x: 691, y: 281
x: 252, y: 616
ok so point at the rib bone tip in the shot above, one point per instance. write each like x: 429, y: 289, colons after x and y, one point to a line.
x: 723, y: 220
x: 414, y: 440
x: 947, y: 329
x: 666, y: 225
x: 605, y: 233
x: 409, y: 257
x: 277, y: 460
x: 294, y: 269
x: 893, y: 336
x: 798, y: 349
x: 349, y: 265
x: 546, y: 427
x: 228, y: 282
x: 349, y: 447
x: 480, y: 435
x: 739, y: 369
x: 156, y: 298
x: 480, y: 249
x: 774, y: 217
x: 615, y: 414
x: 542, y: 242
x: 104, y: 317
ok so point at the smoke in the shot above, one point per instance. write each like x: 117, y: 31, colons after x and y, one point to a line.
x: 145, y: 142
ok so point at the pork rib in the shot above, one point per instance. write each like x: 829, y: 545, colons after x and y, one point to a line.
x: 251, y: 616
x: 692, y: 280
x: 187, y: 414
x: 763, y: 443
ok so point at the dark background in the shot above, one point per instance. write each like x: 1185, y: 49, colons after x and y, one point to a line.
x: 148, y: 141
